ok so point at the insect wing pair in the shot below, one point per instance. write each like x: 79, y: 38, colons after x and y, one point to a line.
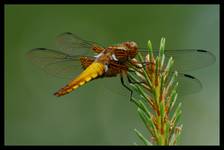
x: 75, y: 54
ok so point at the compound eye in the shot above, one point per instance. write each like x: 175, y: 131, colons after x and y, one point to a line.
x: 133, y: 44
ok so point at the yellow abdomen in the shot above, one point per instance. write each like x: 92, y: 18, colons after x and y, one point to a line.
x: 94, y: 70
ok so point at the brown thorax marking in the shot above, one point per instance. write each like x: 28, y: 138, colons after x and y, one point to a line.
x: 120, y: 53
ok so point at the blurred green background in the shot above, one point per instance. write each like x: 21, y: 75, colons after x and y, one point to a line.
x: 93, y: 115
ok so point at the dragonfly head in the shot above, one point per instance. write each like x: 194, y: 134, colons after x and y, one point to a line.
x: 132, y: 47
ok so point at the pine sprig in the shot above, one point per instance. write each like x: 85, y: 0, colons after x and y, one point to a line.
x: 155, y: 84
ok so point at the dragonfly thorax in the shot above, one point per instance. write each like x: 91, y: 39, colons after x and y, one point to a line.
x: 125, y: 51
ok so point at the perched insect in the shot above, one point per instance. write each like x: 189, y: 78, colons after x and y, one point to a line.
x: 75, y: 53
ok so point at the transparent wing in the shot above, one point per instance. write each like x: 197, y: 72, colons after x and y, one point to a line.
x: 73, y: 45
x: 56, y: 63
x: 188, y: 59
x: 188, y: 84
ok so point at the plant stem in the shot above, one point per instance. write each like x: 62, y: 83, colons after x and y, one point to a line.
x: 157, y: 97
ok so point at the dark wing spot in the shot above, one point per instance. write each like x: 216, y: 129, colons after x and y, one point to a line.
x: 67, y: 33
x: 41, y: 48
x: 189, y: 76
x: 201, y: 50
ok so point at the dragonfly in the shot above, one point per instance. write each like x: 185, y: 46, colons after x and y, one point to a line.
x: 83, y: 61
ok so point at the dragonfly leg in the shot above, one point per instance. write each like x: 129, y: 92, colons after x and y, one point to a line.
x: 135, y: 65
x: 133, y: 82
x: 122, y: 82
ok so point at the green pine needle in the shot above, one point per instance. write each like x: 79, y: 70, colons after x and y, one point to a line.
x: 156, y: 87
x: 145, y: 141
